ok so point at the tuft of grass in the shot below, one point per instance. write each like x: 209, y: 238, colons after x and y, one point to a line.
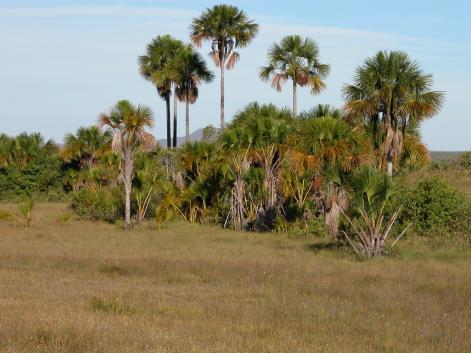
x: 114, y: 305
x: 112, y: 270
x: 64, y: 218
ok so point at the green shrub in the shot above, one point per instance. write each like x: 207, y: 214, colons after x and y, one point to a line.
x: 101, y: 204
x: 41, y: 175
x: 434, y: 206
x: 465, y: 160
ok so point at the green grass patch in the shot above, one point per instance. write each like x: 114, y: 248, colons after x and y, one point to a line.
x: 114, y: 305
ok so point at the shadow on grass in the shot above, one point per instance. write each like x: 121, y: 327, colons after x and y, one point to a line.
x: 329, y: 245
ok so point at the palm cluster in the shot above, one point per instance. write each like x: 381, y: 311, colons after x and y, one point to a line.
x: 269, y: 168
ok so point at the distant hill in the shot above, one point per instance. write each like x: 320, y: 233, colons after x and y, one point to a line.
x: 194, y: 136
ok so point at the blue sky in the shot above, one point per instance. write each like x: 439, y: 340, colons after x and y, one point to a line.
x: 64, y: 62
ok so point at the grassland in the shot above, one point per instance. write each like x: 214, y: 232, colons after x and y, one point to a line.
x: 76, y: 286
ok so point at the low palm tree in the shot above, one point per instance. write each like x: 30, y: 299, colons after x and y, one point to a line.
x: 128, y: 123
x: 188, y: 70
x: 227, y: 28
x: 295, y: 59
x: 23, y: 148
x: 86, y: 146
x: 391, y: 93
x: 153, y: 66
x: 370, y: 229
x: 332, y: 148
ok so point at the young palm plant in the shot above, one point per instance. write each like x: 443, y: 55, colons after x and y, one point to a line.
x: 372, y: 191
x: 295, y: 59
x: 227, y: 28
x: 391, y: 92
x: 188, y: 70
x: 129, y: 123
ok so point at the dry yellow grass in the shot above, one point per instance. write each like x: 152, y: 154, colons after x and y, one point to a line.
x: 76, y: 286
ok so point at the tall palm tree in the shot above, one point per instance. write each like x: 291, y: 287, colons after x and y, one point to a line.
x: 188, y: 71
x: 297, y: 59
x: 153, y: 67
x: 129, y: 123
x: 227, y: 28
x: 86, y: 146
x: 391, y: 92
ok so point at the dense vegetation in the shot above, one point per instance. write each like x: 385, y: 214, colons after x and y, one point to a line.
x: 325, y: 170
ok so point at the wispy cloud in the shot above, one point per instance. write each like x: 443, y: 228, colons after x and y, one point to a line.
x: 89, y: 11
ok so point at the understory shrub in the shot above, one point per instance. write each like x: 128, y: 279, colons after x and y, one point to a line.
x: 434, y: 206
x: 99, y: 204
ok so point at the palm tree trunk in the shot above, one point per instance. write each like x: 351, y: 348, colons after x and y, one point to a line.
x: 127, y: 179
x: 222, y: 63
x: 389, y: 165
x: 295, y: 103
x: 187, y: 120
x: 169, y: 126
x: 174, y: 117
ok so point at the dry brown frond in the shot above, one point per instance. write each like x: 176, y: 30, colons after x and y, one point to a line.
x: 233, y: 59
x: 147, y: 141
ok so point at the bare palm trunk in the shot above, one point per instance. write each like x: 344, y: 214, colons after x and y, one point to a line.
x: 222, y: 93
x: 389, y: 144
x: 389, y: 165
x: 127, y: 180
x: 174, y: 117
x: 295, y: 102
x: 187, y: 120
x: 169, y: 126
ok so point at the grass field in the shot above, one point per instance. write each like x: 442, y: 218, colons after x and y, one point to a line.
x: 75, y: 286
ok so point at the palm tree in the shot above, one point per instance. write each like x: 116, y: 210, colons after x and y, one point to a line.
x: 153, y: 67
x: 392, y: 93
x: 297, y: 59
x: 86, y: 146
x: 227, y: 28
x: 129, y: 123
x: 188, y: 71
x: 372, y: 192
x: 24, y: 147
x: 330, y: 146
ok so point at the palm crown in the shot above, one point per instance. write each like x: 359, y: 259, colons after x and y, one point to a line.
x: 392, y: 92
x: 297, y: 59
x: 129, y: 123
x: 88, y: 144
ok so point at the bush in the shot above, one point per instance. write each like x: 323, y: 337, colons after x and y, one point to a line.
x: 435, y: 206
x: 102, y: 204
x: 465, y: 160
x: 41, y: 175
